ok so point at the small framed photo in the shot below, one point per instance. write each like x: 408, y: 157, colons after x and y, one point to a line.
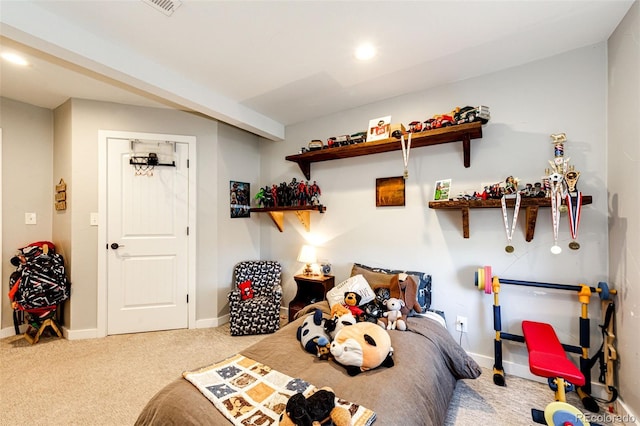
x: 390, y: 191
x: 379, y: 128
x: 442, y: 190
x: 239, y: 199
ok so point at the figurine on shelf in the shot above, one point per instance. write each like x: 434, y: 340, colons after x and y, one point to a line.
x: 260, y: 197
x: 314, y: 194
x: 511, y: 185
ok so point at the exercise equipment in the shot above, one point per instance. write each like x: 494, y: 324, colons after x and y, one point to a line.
x: 547, y: 356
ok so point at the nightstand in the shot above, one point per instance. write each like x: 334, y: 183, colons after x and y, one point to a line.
x: 311, y: 289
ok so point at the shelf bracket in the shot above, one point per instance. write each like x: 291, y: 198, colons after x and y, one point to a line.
x: 465, y: 221
x: 466, y: 148
x: 278, y: 219
x: 304, y: 216
x: 303, y: 213
x: 532, y: 216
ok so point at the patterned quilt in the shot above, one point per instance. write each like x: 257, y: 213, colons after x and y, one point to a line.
x: 250, y: 393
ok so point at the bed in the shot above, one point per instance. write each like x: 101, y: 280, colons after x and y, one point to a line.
x: 416, y: 391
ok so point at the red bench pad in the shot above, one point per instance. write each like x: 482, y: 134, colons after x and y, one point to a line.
x: 547, y: 357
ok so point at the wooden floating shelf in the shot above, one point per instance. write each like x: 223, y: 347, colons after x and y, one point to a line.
x: 531, y: 206
x: 458, y: 133
x: 303, y: 213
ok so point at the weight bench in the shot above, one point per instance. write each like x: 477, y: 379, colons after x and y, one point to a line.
x: 547, y: 358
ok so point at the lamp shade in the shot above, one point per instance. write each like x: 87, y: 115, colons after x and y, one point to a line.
x: 307, y: 255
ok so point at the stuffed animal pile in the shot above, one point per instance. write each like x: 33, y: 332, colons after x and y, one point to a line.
x: 314, y: 410
x: 356, y: 336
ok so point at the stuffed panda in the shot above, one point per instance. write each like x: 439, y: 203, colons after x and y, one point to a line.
x: 361, y: 347
x: 311, y: 330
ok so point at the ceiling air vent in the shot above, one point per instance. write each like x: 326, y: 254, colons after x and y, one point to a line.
x: 165, y: 6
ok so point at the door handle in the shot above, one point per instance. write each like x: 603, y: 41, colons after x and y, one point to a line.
x: 116, y: 246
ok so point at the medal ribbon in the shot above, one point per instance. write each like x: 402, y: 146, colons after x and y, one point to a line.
x: 556, y: 201
x: 516, y: 209
x: 405, y: 154
x: 574, y: 213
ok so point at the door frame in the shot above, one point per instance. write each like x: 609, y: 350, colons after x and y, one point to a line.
x: 103, y: 136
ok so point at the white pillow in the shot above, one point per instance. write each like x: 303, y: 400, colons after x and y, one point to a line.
x: 358, y: 284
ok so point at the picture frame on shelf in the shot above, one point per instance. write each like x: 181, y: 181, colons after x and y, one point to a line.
x: 379, y: 128
x: 390, y: 192
x: 442, y: 189
x: 239, y: 199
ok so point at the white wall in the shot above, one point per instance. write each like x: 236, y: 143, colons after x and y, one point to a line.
x: 566, y: 93
x: 623, y: 180
x: 27, y: 148
x: 238, y: 238
x: 86, y: 118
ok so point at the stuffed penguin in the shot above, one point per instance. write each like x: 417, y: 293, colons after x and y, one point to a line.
x: 311, y: 330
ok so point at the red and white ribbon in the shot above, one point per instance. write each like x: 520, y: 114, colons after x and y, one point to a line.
x: 574, y: 205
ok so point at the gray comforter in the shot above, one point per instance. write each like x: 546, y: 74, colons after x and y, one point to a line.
x: 415, y: 391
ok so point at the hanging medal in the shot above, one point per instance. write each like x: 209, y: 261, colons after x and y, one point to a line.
x: 574, y: 205
x: 405, y: 154
x: 509, y: 248
x: 556, y: 203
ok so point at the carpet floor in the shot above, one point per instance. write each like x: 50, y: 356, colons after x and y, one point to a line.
x: 108, y: 381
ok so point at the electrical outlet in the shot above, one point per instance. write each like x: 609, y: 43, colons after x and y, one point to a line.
x: 461, y: 324
x: 30, y: 219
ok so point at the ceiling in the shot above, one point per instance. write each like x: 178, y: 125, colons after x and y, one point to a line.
x: 263, y: 65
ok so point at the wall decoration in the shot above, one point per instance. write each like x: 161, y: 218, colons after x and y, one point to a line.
x: 390, y: 191
x: 379, y: 128
x: 442, y: 189
x: 61, y: 195
x: 239, y: 199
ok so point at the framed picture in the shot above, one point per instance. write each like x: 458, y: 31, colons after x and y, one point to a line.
x: 379, y: 128
x: 442, y: 190
x: 239, y: 199
x: 390, y: 191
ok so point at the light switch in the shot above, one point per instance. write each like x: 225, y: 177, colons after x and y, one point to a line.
x: 93, y: 219
x: 30, y: 218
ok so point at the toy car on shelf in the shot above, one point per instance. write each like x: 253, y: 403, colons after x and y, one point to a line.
x: 438, y: 121
x: 358, y: 137
x: 469, y: 114
x: 415, y: 127
x: 315, y: 145
x: 341, y: 140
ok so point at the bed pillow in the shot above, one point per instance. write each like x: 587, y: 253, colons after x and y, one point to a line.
x: 357, y: 284
x: 375, y: 277
x: 380, y: 275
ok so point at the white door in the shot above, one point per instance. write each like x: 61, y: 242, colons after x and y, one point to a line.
x: 147, y: 242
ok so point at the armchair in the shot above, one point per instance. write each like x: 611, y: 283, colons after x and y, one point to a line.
x: 259, y: 314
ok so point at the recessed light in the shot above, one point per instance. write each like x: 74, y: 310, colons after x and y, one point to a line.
x: 365, y: 52
x: 14, y: 58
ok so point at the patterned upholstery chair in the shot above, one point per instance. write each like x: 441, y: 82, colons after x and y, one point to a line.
x: 259, y: 314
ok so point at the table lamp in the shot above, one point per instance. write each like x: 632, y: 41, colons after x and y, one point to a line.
x: 307, y: 256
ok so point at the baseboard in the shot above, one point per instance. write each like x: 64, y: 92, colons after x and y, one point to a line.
x: 10, y: 331
x: 625, y: 414
x: 89, y: 333
x: 598, y: 390
x: 212, y: 322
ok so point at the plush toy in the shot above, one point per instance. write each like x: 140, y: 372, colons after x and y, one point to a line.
x: 407, y: 291
x: 314, y: 410
x: 311, y: 330
x: 324, y: 348
x: 246, y: 291
x: 393, y: 314
x: 361, y: 347
x: 337, y: 322
x: 351, y: 301
x: 339, y: 310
